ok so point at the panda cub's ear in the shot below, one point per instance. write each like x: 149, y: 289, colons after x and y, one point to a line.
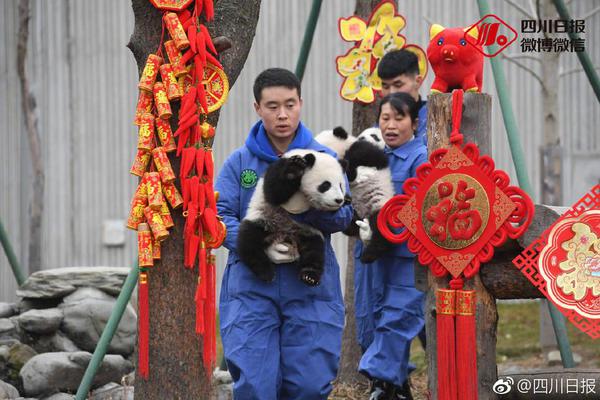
x: 340, y: 133
x: 345, y: 164
x: 310, y: 160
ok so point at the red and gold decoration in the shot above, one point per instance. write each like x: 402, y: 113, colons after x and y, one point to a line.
x: 372, y: 40
x: 453, y: 214
x: 564, y: 263
x: 190, y: 73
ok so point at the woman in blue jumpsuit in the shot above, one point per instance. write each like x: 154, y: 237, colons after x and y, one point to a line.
x: 389, y: 310
x: 281, y: 339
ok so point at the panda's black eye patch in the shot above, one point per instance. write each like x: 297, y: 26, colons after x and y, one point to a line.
x: 375, y: 137
x: 323, y: 187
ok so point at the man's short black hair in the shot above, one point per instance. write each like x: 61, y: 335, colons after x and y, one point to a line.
x: 275, y: 77
x: 398, y: 62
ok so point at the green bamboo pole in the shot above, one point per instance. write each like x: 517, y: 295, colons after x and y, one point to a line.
x: 558, y: 320
x: 308, y: 37
x: 10, y: 254
x: 583, y: 56
x: 108, y: 333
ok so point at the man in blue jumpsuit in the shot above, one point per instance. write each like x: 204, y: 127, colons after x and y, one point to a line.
x: 399, y: 72
x: 281, y: 339
x: 388, y: 308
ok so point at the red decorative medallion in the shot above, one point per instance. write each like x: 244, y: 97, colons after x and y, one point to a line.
x: 564, y: 263
x: 456, y: 210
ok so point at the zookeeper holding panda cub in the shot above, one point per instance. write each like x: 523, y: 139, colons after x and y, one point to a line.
x: 389, y: 309
x: 281, y: 339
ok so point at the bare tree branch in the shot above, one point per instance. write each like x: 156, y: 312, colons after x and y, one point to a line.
x: 521, y: 9
x: 574, y: 70
x: 533, y: 12
x: 28, y: 105
x: 526, y: 68
x: 428, y: 20
x: 591, y: 13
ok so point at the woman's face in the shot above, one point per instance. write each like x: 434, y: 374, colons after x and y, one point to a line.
x: 396, y: 129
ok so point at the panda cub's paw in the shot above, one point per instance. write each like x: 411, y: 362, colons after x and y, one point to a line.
x: 310, y: 277
x: 294, y: 167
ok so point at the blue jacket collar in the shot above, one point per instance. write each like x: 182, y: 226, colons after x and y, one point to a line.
x: 258, y: 143
x: 404, y: 150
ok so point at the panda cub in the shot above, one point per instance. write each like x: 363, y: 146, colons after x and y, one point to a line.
x: 370, y: 181
x: 371, y: 187
x: 306, y: 178
x: 372, y: 135
x: 337, y: 140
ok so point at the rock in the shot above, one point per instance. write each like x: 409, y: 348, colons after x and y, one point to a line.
x: 37, y: 304
x: 86, y: 312
x: 8, y: 391
x: 60, y: 282
x: 112, y: 391
x: 18, y: 355
x: 41, y: 321
x: 4, y: 353
x: 8, y: 342
x: 59, y: 396
x: 54, y: 343
x: 7, y: 310
x: 48, y: 372
x: 6, y: 326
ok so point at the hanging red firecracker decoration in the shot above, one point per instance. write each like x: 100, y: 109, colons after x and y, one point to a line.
x: 453, y: 214
x: 192, y: 74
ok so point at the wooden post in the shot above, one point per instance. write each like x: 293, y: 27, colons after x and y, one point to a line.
x: 176, y: 368
x: 476, y: 127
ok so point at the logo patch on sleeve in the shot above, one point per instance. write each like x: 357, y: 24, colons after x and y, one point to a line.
x: 248, y: 178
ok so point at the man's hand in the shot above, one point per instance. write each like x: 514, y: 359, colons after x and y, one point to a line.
x: 280, y: 253
x: 364, y: 230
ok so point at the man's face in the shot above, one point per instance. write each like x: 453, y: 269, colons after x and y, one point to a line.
x: 279, y: 108
x: 405, y: 83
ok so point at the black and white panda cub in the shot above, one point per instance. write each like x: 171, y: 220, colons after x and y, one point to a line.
x: 371, y: 187
x: 299, y: 180
x: 370, y: 181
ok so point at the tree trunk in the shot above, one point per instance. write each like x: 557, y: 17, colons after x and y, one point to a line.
x: 28, y: 104
x: 176, y: 368
x: 476, y: 126
x: 363, y: 117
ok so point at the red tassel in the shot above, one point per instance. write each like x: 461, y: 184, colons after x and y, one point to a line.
x: 466, y: 344
x: 143, y: 327
x: 209, y: 349
x: 446, y: 352
x: 200, y: 323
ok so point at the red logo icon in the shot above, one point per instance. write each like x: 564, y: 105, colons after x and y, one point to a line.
x: 490, y: 30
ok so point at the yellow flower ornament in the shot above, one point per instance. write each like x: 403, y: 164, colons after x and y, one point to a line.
x: 372, y: 40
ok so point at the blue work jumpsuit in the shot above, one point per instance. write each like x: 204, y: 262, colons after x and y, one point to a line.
x: 421, y: 132
x: 282, y: 340
x: 389, y: 310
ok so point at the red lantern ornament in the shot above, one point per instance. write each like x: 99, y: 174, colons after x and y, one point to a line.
x: 452, y: 215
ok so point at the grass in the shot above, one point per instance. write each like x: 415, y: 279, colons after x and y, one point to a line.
x: 518, y: 344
